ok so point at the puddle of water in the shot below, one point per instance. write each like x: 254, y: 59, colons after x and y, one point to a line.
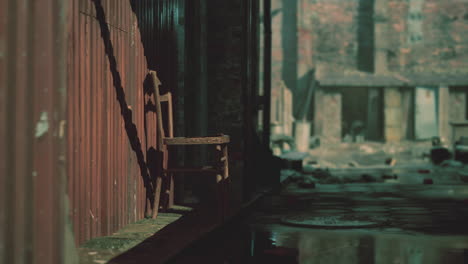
x: 283, y: 244
x: 414, y: 231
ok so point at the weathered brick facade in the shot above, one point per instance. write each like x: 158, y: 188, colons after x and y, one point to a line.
x: 333, y: 28
x: 369, y: 43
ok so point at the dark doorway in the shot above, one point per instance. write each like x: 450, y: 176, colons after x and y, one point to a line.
x: 362, y: 113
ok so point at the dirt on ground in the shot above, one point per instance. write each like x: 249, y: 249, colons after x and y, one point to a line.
x: 102, y: 249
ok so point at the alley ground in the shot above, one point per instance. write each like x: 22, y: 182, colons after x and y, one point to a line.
x: 351, y: 203
x: 346, y: 223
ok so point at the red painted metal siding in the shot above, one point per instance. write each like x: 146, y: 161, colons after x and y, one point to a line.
x: 111, y: 46
x: 32, y: 99
x: 86, y: 96
x: 107, y: 142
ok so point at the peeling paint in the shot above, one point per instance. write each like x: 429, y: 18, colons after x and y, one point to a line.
x: 62, y: 128
x: 42, y: 125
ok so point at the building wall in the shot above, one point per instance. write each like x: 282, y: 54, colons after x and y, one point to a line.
x: 112, y: 123
x: 348, y: 37
x: 77, y: 118
x: 440, y: 44
x: 393, y: 114
x: 327, y: 120
x: 32, y: 131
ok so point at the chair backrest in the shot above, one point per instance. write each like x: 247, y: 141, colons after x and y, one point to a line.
x: 158, y: 100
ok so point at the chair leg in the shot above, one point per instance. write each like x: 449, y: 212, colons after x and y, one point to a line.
x: 219, y: 197
x: 168, y: 184
x: 148, y: 208
x: 226, y: 180
x: 157, y: 195
x: 171, y: 190
x: 222, y: 182
x: 167, y: 200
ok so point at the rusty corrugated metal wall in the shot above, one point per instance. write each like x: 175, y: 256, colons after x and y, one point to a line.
x: 32, y: 141
x: 112, y: 44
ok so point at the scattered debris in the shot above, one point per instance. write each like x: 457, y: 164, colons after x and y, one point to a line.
x: 292, y: 174
x: 326, y: 164
x: 428, y: 181
x: 461, y: 153
x: 349, y: 179
x: 320, y: 174
x: 307, y: 182
x: 451, y: 163
x: 389, y: 177
x: 367, y: 149
x: 440, y: 154
x: 293, y: 160
x: 390, y: 161
x: 368, y: 178
x: 461, y: 150
x: 424, y: 171
x: 332, y: 180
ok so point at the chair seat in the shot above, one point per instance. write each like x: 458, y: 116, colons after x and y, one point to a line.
x: 224, y: 139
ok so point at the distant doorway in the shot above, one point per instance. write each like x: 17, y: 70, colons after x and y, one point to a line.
x: 362, y: 114
x: 425, y: 113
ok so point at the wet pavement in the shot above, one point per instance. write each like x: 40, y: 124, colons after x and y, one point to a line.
x: 353, y: 203
x: 410, y: 223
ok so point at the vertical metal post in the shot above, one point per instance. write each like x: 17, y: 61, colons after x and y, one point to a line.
x: 181, y: 95
x: 267, y: 71
x: 203, y: 92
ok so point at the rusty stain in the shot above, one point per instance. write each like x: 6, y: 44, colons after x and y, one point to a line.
x: 112, y: 44
x: 80, y: 102
x: 95, y: 122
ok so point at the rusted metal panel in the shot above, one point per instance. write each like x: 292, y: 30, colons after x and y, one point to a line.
x: 4, y: 240
x: 112, y: 44
x: 32, y: 59
x: 107, y: 61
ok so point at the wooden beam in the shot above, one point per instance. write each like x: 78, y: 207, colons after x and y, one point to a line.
x: 197, y: 140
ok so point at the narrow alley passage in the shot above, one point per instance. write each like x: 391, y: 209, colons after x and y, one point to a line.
x: 353, y: 223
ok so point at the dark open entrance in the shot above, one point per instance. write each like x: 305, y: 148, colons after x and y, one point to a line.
x: 362, y: 113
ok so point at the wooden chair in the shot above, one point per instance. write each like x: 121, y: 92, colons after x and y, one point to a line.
x: 220, y: 171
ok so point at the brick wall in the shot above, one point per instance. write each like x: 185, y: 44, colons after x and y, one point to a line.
x: 422, y: 37
x: 328, y: 34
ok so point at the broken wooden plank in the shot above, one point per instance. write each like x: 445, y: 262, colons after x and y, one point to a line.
x: 196, y: 140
